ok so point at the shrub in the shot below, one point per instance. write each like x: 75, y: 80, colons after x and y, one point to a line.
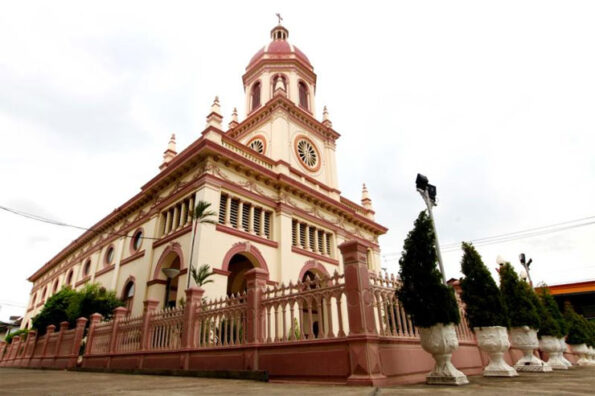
x: 425, y: 298
x: 547, y: 325
x: 521, y: 310
x: 550, y: 304
x: 483, y: 302
x: 578, y: 327
x: 20, y: 332
x: 69, y: 305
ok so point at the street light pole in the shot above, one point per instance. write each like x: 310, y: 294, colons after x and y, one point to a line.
x: 428, y: 193
x: 526, y: 265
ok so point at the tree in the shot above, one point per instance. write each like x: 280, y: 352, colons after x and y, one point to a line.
x: 484, y: 305
x: 550, y: 304
x: 201, y: 214
x: 547, y: 325
x: 69, y: 305
x: 425, y: 298
x: 578, y: 327
x: 201, y: 276
x: 521, y: 310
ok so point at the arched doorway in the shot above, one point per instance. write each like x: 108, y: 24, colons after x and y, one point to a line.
x: 171, y: 287
x: 238, y: 266
x: 167, y: 273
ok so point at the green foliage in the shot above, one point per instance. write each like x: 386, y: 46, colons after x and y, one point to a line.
x: 484, y: 305
x: 69, y: 305
x: 578, y: 327
x: 521, y: 310
x: 550, y: 304
x: 202, y: 213
x: 422, y: 292
x: 547, y: 324
x: 54, y: 311
x: 20, y: 332
x: 201, y: 275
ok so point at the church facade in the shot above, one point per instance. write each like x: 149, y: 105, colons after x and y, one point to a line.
x: 272, y: 181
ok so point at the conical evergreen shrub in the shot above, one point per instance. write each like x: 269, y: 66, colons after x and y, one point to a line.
x: 521, y: 310
x: 547, y: 325
x: 483, y: 302
x: 423, y: 295
x: 552, y: 306
x: 578, y: 328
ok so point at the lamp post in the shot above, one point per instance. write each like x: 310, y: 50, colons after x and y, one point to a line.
x: 169, y: 273
x: 428, y: 193
x: 526, y: 265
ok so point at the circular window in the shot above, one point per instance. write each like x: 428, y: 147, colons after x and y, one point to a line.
x: 307, y: 153
x: 137, y: 240
x: 257, y: 144
x: 109, y: 255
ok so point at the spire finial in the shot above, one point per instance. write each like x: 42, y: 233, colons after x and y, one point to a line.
x: 366, y: 201
x: 325, y: 118
x: 279, y: 32
x: 170, y: 153
x: 214, y: 118
x: 234, y: 119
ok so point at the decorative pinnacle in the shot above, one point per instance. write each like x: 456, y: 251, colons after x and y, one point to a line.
x: 170, y: 153
x: 234, y: 115
x: 325, y: 118
x: 215, y: 107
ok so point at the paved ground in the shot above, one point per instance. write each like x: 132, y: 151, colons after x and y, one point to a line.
x: 577, y: 381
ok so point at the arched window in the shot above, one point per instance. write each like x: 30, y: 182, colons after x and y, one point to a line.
x: 87, y: 268
x: 303, y: 88
x: 128, y: 295
x: 45, y: 289
x: 55, y: 288
x: 255, y: 96
x: 69, y: 278
x: 33, y: 300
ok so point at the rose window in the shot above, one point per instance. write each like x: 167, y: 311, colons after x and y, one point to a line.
x: 307, y: 153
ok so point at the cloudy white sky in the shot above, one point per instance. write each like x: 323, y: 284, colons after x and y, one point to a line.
x: 493, y: 101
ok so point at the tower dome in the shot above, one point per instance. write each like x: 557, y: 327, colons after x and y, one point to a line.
x: 279, y: 48
x: 279, y: 68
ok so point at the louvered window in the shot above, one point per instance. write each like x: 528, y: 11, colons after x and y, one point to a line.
x: 328, y: 243
x: 311, y: 231
x: 267, y: 224
x: 246, y: 216
x: 257, y: 214
x: 233, y: 212
x: 222, y: 208
x: 303, y: 235
x: 320, y: 248
x: 294, y: 232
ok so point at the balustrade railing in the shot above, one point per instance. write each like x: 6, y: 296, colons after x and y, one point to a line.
x: 165, y: 329
x: 101, y: 338
x: 391, y: 319
x: 129, y: 334
x: 312, y: 309
x: 221, y: 322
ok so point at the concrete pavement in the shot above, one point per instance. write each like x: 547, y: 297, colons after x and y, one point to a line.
x: 576, y: 381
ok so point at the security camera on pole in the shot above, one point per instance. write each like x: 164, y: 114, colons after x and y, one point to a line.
x: 428, y: 193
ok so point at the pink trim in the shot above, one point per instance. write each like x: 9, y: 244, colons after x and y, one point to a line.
x: 246, y: 235
x: 84, y: 280
x: 247, y: 249
x: 314, y: 255
x: 260, y: 137
x: 104, y: 270
x: 156, y: 282
x: 220, y: 272
x: 175, y: 235
x: 313, y: 265
x: 132, y: 258
x: 175, y: 248
x: 130, y: 278
x: 105, y: 262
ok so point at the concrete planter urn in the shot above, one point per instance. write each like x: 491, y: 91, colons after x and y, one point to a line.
x: 494, y: 341
x: 551, y: 345
x: 525, y: 339
x: 564, y: 348
x: 581, y: 350
x: 440, y: 341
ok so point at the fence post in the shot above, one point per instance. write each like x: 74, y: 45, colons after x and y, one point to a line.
x: 79, y: 332
x: 63, y: 328
x: 49, y: 331
x: 364, y: 354
x: 150, y: 306
x: 119, y: 313
x: 193, y: 300
x: 31, y: 343
x: 2, y: 349
x: 16, y: 342
x: 255, y: 282
x: 95, y: 318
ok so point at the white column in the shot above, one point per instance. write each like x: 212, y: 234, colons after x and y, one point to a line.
x: 240, y: 215
x: 167, y: 222
x: 316, y: 240
x: 261, y: 231
x: 175, y: 220
x: 324, y: 249
x: 307, y: 237
x: 251, y: 220
x: 227, y: 210
x: 184, y: 214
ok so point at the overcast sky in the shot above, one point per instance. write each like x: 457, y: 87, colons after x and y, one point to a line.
x: 493, y: 101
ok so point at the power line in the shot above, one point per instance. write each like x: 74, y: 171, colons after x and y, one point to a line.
x: 517, y: 235
x: 61, y: 224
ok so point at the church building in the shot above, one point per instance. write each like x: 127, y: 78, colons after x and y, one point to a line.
x: 272, y: 181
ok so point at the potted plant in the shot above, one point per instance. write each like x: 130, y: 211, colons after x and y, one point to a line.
x: 578, y: 334
x: 431, y: 304
x: 549, y: 331
x: 485, y: 312
x: 524, y: 319
x: 556, y: 357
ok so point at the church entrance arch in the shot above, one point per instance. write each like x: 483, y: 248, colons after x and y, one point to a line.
x: 241, y: 258
x: 167, y: 272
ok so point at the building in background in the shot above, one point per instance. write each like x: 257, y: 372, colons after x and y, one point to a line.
x: 271, y: 178
x: 580, y: 294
